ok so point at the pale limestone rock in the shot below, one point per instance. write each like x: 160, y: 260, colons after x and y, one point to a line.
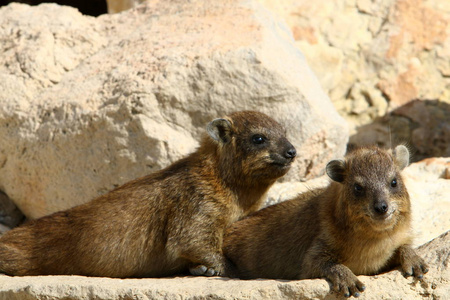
x: 398, y: 50
x: 282, y: 191
x: 429, y: 189
x: 87, y: 104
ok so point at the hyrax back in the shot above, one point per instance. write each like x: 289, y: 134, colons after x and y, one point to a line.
x: 359, y: 224
x: 163, y: 223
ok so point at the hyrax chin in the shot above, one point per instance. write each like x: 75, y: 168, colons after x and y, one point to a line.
x: 359, y: 224
x: 165, y: 223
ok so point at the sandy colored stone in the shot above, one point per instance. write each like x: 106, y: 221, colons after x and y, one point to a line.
x: 381, y: 54
x: 87, y: 104
x: 429, y: 190
x: 282, y: 191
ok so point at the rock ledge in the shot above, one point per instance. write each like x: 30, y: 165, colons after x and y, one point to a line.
x: 392, y: 285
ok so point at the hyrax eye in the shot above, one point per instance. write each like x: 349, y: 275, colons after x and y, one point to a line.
x: 258, y: 139
x: 394, y: 182
x: 358, y: 189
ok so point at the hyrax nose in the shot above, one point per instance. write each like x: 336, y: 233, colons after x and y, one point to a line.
x: 381, y: 207
x: 290, y: 152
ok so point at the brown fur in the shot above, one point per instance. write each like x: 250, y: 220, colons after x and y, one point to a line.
x: 336, y: 232
x: 163, y: 223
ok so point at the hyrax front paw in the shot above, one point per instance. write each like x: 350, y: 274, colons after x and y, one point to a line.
x: 202, y: 270
x: 415, y: 267
x: 345, y: 283
x: 412, y: 264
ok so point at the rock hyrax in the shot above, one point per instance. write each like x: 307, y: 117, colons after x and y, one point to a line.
x: 359, y: 224
x: 167, y: 222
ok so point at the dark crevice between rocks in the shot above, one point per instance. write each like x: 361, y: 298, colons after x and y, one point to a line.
x: 422, y: 125
x: 10, y: 214
x: 86, y: 7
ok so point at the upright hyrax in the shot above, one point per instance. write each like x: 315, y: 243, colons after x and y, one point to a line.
x: 359, y: 224
x: 164, y: 223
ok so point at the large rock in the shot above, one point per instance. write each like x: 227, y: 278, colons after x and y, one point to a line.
x: 392, y: 285
x: 87, y: 104
x: 373, y: 56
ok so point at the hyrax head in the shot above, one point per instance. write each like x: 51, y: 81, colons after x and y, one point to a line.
x: 252, y: 145
x: 372, y: 188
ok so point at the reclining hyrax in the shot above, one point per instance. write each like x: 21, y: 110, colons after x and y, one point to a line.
x: 164, y: 223
x: 359, y: 224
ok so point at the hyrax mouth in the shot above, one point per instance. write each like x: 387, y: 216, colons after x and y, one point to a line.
x: 285, y: 160
x: 286, y: 163
x: 382, y: 221
x: 281, y: 166
x: 383, y: 217
x: 277, y: 166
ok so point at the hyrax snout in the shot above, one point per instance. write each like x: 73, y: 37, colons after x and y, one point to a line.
x: 165, y: 223
x: 359, y: 225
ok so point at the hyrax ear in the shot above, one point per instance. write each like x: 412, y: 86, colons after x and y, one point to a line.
x: 401, y: 155
x: 220, y: 130
x: 336, y: 170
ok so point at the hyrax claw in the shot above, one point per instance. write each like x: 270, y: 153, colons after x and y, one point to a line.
x: 202, y: 270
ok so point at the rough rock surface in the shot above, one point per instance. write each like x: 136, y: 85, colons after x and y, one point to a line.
x: 392, y: 285
x: 373, y: 56
x: 428, y: 184
x: 87, y: 104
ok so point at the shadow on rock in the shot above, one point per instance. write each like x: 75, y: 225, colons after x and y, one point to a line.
x: 10, y: 215
x: 423, y: 125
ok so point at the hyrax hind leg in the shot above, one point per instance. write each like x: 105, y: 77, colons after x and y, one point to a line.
x: 207, y: 260
x: 207, y: 264
x: 203, y: 270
